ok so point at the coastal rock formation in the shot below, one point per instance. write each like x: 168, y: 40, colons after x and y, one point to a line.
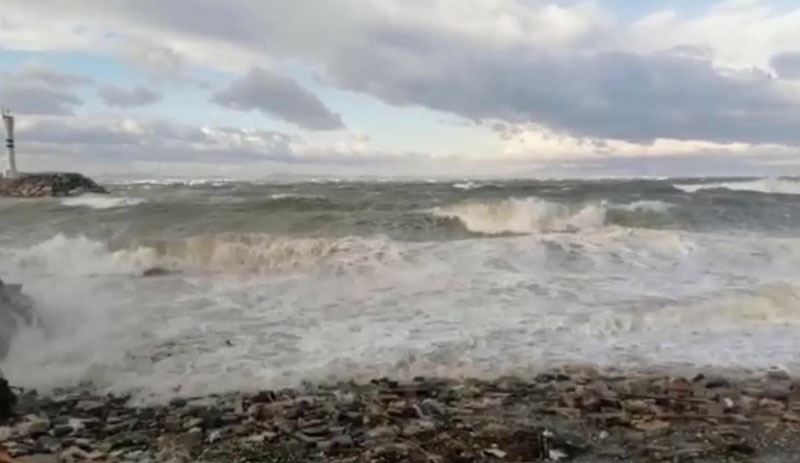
x: 16, y: 309
x: 48, y: 184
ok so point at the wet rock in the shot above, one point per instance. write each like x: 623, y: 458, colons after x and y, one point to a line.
x: 32, y: 426
x: 680, y: 387
x: 777, y: 375
x: 417, y: 427
x: 37, y: 458
x: 717, y: 383
x: 129, y: 439
x: 337, y: 443
x: 156, y: 272
x: 211, y: 418
x: 47, y: 444
x: 192, y: 439
x: 383, y: 432
x: 497, y: 453
x: 780, y: 391
x: 74, y: 455
x: 90, y: 406
x: 7, y: 400
x: 62, y: 430
x: 434, y: 408
x: 178, y: 402
x: 742, y: 447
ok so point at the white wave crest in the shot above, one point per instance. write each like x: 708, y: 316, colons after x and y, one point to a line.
x: 765, y: 185
x: 101, y: 201
x: 524, y: 216
x: 279, y: 196
x: 647, y: 206
x: 235, y: 253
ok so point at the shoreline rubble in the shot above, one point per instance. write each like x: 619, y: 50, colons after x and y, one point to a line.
x: 569, y: 414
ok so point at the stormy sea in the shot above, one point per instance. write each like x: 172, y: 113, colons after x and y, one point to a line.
x: 271, y: 284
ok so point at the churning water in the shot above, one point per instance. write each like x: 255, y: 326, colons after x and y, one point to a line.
x: 275, y: 284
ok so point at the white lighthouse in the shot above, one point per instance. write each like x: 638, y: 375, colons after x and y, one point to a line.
x: 8, y: 122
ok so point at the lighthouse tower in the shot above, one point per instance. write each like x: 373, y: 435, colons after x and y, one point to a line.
x: 8, y: 122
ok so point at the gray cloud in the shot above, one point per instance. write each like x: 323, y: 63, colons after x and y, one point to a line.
x: 151, y: 139
x: 38, y: 73
x: 38, y: 99
x: 787, y: 65
x: 278, y: 95
x: 38, y: 89
x: 634, y: 97
x: 124, y: 98
x: 404, y: 60
x: 113, y: 140
x: 418, y: 59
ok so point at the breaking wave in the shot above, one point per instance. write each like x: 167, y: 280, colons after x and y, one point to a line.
x: 280, y: 196
x: 647, y: 206
x: 766, y: 185
x: 101, y: 202
x: 534, y: 215
x: 235, y: 253
x: 473, y: 185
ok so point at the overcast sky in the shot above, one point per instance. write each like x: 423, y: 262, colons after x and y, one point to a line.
x: 412, y: 87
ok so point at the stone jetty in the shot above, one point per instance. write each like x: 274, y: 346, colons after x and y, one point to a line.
x: 571, y: 414
x: 37, y: 185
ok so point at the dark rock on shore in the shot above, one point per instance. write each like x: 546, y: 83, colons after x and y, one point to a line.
x: 7, y: 400
x: 157, y: 272
x: 48, y: 184
x: 16, y: 309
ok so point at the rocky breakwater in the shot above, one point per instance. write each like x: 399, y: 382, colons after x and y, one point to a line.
x: 48, y: 184
x: 565, y: 415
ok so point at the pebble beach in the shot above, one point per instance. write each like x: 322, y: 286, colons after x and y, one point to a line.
x: 570, y: 414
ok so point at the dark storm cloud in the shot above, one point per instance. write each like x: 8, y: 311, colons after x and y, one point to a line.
x: 633, y: 97
x: 678, y: 93
x: 280, y: 96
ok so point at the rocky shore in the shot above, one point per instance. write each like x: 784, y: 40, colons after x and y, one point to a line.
x: 572, y: 414
x: 48, y: 184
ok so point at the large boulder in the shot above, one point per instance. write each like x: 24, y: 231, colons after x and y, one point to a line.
x: 16, y: 310
x: 7, y: 400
